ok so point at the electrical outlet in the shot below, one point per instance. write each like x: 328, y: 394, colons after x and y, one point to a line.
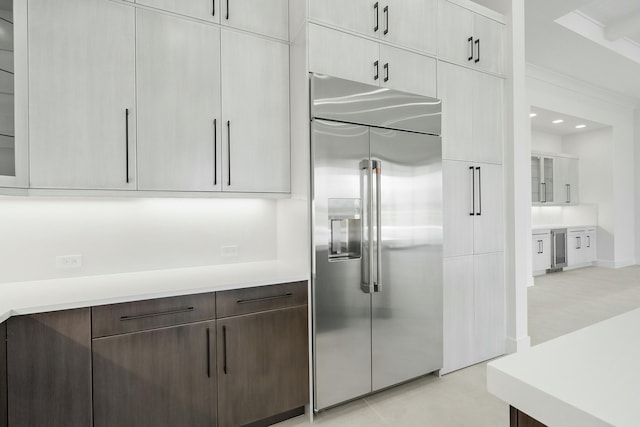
x: 230, y: 251
x: 68, y: 261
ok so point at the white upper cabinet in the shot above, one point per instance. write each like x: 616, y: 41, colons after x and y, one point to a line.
x: 270, y: 18
x: 255, y: 109
x: 179, y: 117
x: 565, y: 186
x: 82, y: 117
x: 406, y: 23
x: 208, y: 10
x: 472, y: 114
x: 468, y: 38
x: 342, y: 55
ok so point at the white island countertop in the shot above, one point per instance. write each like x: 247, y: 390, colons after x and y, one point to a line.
x: 587, y: 378
x: 67, y: 293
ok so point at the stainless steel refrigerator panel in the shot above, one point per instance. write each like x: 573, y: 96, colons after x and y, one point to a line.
x: 407, y: 307
x: 353, y: 102
x: 342, y: 311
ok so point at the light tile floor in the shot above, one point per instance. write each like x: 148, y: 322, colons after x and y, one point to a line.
x: 558, y: 304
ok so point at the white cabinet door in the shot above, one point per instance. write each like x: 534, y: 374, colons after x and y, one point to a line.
x: 488, y: 220
x: 270, y: 18
x: 458, y: 208
x: 455, y: 42
x: 361, y: 16
x: 179, y: 120
x: 407, y: 71
x: 566, y: 180
x: 458, y: 313
x: 488, y: 123
x: 255, y: 107
x: 342, y: 55
x: 455, y: 89
x: 575, y: 248
x: 541, y: 252
x: 490, y: 328
x: 590, y: 254
x: 81, y: 84
x: 410, y: 23
x: 488, y: 44
x: 208, y: 10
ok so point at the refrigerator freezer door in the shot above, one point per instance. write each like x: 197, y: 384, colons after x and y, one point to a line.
x: 407, y: 310
x: 342, y: 310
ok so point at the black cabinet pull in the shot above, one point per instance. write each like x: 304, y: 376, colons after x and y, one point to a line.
x: 386, y: 72
x: 477, y: 43
x: 377, y: 74
x: 247, y: 301
x: 386, y: 20
x: 179, y: 310
x: 470, y: 40
x: 568, y: 192
x: 588, y: 241
x: 228, y: 152
x: 227, y: 16
x: 126, y: 142
x: 473, y: 192
x: 479, y: 191
x: 213, y: 7
x: 215, y: 151
x: 208, y: 353
x: 375, y: 11
x: 224, y: 349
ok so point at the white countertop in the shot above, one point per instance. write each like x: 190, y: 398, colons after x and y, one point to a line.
x: 587, y: 378
x: 61, y: 294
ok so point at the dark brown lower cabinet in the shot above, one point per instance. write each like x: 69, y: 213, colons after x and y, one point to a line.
x: 3, y: 374
x: 49, y: 369
x: 262, y: 365
x: 520, y: 419
x: 156, y: 378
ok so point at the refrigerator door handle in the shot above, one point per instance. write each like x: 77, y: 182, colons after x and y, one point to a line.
x: 377, y: 169
x: 366, y: 192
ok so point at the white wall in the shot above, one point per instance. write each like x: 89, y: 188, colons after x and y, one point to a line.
x: 560, y: 93
x: 595, y: 150
x: 545, y: 142
x: 122, y: 235
x: 637, y: 159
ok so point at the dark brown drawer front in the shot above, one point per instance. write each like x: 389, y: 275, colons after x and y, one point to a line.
x: 262, y: 298
x: 157, y: 313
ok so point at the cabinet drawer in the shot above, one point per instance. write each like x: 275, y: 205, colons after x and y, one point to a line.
x: 140, y: 315
x: 251, y: 300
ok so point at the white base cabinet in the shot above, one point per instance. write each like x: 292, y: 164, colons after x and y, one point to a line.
x: 581, y: 247
x: 541, y: 250
x: 474, y: 309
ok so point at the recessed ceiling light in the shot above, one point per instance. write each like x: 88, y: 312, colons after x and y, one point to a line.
x: 532, y: 115
x: 555, y: 122
x: 581, y: 126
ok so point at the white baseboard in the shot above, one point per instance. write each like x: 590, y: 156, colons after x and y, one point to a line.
x: 615, y: 264
x: 515, y: 345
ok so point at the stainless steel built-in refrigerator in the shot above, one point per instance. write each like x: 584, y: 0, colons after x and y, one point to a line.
x: 377, y: 237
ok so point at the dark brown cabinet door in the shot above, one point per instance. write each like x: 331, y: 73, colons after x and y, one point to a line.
x: 262, y: 365
x: 156, y: 378
x: 3, y: 375
x: 49, y: 369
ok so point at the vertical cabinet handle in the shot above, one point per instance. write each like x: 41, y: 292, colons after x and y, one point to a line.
x: 215, y: 151
x: 376, y: 15
x: 477, y: 43
x: 376, y: 65
x: 541, y: 246
x: 224, y: 349
x: 588, y: 241
x: 578, y: 243
x: 386, y: 72
x: 479, y: 191
x: 470, y: 40
x: 227, y: 15
x: 544, y: 200
x: 228, y: 152
x: 473, y: 192
x: 386, y: 20
x: 568, y: 186
x: 208, y: 353
x: 126, y: 142
x: 213, y: 7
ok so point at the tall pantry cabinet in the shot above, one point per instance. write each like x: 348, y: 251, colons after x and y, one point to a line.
x: 470, y: 86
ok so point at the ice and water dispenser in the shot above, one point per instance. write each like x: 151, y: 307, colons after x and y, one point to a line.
x: 346, y: 229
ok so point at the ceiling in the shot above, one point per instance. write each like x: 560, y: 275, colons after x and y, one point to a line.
x: 543, y: 122
x: 555, y: 47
